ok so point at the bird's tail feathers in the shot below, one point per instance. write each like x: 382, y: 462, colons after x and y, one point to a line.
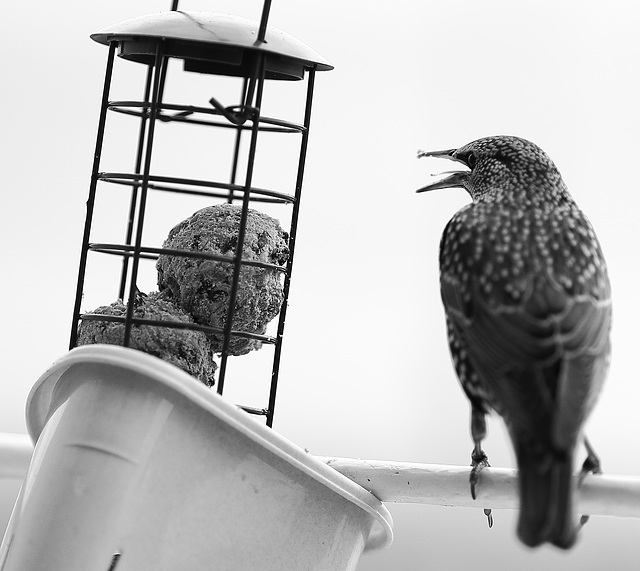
x: 546, y: 496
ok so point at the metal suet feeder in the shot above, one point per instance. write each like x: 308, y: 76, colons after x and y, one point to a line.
x: 137, y: 465
x: 216, y: 45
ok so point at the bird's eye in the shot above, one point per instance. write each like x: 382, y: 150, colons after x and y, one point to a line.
x: 471, y: 160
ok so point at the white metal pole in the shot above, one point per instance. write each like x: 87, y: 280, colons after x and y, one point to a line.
x: 15, y: 455
x: 407, y: 482
x: 434, y: 484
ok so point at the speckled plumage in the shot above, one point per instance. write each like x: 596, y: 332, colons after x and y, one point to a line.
x: 527, y: 300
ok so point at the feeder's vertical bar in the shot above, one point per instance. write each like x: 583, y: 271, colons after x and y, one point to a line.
x: 134, y: 187
x: 236, y: 148
x: 163, y: 74
x: 160, y: 62
x: 251, y: 90
x: 262, y: 32
x: 255, y: 128
x: 92, y: 194
x: 292, y: 244
x: 163, y: 78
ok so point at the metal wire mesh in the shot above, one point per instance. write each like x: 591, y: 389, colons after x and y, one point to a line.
x: 244, y: 118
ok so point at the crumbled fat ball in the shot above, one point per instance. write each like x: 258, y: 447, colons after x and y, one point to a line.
x: 187, y: 349
x: 202, y: 287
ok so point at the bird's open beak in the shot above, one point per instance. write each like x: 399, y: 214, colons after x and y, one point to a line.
x: 448, y: 154
x: 455, y: 178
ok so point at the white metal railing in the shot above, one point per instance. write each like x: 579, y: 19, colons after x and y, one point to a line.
x: 404, y: 482
x: 15, y: 455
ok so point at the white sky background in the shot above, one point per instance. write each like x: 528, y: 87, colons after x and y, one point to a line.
x: 365, y: 369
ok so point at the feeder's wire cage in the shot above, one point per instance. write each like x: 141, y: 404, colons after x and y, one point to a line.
x: 214, y: 45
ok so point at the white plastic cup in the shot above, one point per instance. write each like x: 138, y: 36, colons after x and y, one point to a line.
x: 138, y: 467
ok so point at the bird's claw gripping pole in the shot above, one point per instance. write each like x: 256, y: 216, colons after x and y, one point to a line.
x: 591, y: 465
x: 479, y: 462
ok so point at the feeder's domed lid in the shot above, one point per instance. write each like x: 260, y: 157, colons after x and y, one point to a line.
x: 211, y: 43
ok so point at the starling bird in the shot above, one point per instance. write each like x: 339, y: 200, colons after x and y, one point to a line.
x: 528, y: 309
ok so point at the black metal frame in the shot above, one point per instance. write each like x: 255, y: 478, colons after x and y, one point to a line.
x: 141, y: 181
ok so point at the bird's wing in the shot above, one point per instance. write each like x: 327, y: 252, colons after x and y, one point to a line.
x: 541, y: 357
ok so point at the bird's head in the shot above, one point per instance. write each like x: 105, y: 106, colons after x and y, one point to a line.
x: 500, y: 165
